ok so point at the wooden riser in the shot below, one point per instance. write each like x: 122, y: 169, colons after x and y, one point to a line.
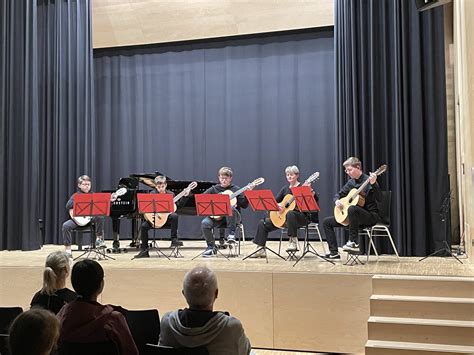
x: 382, y: 351
x: 436, y: 334
x: 374, y: 347
x: 432, y: 286
x: 454, y: 310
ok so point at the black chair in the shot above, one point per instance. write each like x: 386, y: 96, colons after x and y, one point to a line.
x: 4, y: 346
x: 7, y: 315
x: 77, y: 235
x: 100, y: 348
x: 145, y: 327
x: 164, y: 350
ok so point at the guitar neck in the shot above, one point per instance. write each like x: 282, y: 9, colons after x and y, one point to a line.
x: 238, y: 192
x: 366, y: 182
x: 178, y: 196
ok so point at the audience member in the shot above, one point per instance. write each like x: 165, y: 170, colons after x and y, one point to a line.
x: 34, y: 332
x: 87, y: 321
x: 54, y: 294
x: 200, y: 325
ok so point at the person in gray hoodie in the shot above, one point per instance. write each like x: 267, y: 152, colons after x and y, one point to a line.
x: 199, y: 325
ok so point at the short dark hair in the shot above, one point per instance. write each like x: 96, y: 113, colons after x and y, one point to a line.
x: 86, y: 277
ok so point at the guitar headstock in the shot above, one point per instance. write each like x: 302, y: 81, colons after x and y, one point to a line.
x: 381, y: 169
x: 313, y: 177
x: 120, y: 192
x: 258, y: 181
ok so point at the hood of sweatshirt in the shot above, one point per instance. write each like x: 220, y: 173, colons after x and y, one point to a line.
x: 197, y: 336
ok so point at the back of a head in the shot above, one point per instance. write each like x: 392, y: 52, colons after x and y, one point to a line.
x: 86, y: 278
x: 199, y: 288
x: 34, y: 332
x: 56, y: 267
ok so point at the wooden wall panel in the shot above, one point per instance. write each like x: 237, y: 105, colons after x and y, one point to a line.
x: 118, y: 23
x: 324, y: 312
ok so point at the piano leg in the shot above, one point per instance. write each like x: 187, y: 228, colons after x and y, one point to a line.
x: 116, y: 236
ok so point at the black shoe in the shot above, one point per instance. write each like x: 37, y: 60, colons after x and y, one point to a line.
x: 142, y: 254
x: 176, y: 243
x: 332, y: 256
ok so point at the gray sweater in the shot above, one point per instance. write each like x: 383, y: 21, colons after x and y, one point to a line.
x: 221, y: 334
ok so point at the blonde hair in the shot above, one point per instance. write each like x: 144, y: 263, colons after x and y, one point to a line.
x: 160, y: 179
x: 226, y: 171
x: 352, y: 161
x: 56, y: 267
x: 292, y: 169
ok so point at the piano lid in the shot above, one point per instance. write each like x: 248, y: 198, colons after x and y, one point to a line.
x: 174, y: 185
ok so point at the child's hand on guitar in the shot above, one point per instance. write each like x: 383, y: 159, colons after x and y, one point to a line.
x: 339, y: 204
x: 372, y: 178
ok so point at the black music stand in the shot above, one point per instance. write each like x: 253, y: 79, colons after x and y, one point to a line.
x: 92, y: 205
x: 155, y: 203
x: 262, y: 200
x: 213, y: 205
x: 443, y: 215
x: 305, y: 202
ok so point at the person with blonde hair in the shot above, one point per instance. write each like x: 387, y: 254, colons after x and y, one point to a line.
x: 34, y: 332
x: 54, y: 294
x: 367, y: 215
x: 294, y: 218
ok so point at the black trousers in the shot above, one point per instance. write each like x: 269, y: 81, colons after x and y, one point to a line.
x: 171, y: 223
x: 358, y: 217
x: 294, y: 220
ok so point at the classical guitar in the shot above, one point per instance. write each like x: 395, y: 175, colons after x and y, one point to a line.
x: 158, y: 220
x: 353, y: 198
x: 288, y: 203
x: 233, y: 195
x: 81, y: 221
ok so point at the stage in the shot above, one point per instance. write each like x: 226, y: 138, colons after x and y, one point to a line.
x: 313, y: 306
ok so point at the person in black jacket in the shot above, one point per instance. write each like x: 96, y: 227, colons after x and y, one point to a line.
x: 84, y: 185
x: 171, y: 222
x: 54, y: 294
x: 225, y: 183
x: 366, y: 216
x: 294, y: 218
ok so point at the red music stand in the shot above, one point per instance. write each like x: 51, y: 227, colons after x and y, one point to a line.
x: 262, y: 200
x: 304, y: 197
x: 155, y: 203
x: 92, y: 205
x: 213, y: 205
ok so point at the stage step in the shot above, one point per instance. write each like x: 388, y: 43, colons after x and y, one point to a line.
x: 436, y: 331
x: 421, y: 315
x: 379, y: 347
x: 433, y: 286
x: 422, y: 307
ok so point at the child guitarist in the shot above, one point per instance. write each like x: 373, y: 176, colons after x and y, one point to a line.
x: 366, y: 216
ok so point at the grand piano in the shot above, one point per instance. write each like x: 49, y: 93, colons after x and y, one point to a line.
x: 126, y: 206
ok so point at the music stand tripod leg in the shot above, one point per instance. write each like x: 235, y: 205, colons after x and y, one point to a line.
x: 307, y: 250
x: 265, y: 248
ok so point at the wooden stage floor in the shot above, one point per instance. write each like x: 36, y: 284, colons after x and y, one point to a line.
x: 314, y: 306
x: 387, y: 264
